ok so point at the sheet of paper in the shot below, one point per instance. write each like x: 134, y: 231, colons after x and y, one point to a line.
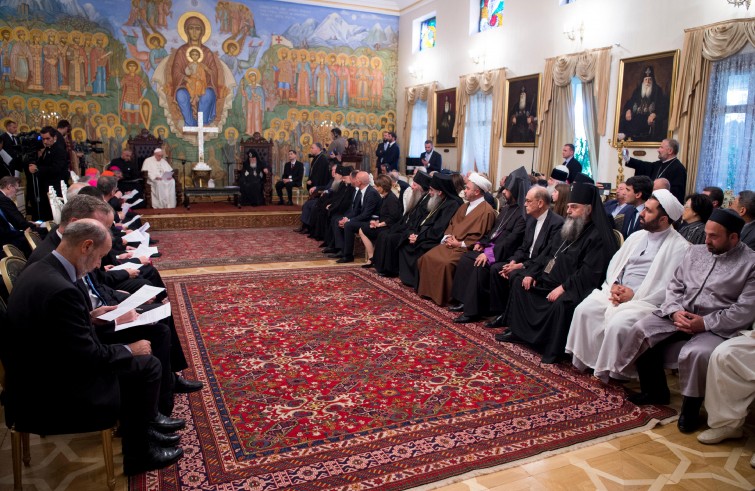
x: 134, y: 236
x: 136, y: 299
x: 126, y: 266
x: 124, y: 208
x: 144, y: 227
x: 136, y: 202
x: 143, y: 250
x: 167, y: 175
x: 128, y: 223
x: 148, y: 317
x: 130, y: 194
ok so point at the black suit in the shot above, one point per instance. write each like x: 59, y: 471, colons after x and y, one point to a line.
x: 748, y: 235
x: 361, y: 211
x: 673, y: 170
x: 10, y: 210
x: 9, y: 145
x: 631, y: 221
x: 319, y: 171
x: 575, y: 167
x: 471, y: 284
x: 132, y: 177
x: 390, y: 213
x: 435, y: 164
x: 55, y: 360
x: 499, y: 286
x: 390, y: 157
x: 295, y: 173
x: 52, y: 167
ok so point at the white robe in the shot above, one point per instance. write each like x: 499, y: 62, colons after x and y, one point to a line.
x: 163, y: 191
x: 598, y: 327
x: 730, y: 386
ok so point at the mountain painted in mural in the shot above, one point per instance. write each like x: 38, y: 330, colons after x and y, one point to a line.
x: 335, y: 31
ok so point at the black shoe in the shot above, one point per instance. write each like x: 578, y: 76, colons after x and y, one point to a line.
x: 164, y: 424
x: 346, y: 259
x: 154, y: 458
x: 290, y: 203
x: 497, y: 322
x: 456, y: 308
x: 184, y: 386
x: 645, y: 399
x: 300, y: 230
x: 323, y: 244
x: 507, y: 337
x: 153, y: 241
x: 163, y: 440
x: 689, y: 418
x: 335, y: 256
x: 280, y: 202
x: 465, y: 319
x: 368, y: 265
x: 157, y: 254
x: 330, y: 250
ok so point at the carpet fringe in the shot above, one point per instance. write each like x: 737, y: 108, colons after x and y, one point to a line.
x: 551, y: 453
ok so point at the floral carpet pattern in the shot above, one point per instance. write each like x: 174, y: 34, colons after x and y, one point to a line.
x: 191, y: 249
x: 340, y: 379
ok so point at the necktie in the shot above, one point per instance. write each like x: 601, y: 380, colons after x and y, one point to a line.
x: 2, y: 215
x: 90, y: 283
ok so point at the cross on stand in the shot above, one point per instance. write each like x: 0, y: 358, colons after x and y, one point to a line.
x: 200, y: 130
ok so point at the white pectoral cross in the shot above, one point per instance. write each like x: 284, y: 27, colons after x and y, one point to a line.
x: 200, y: 130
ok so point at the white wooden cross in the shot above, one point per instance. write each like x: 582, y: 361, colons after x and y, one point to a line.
x: 200, y: 130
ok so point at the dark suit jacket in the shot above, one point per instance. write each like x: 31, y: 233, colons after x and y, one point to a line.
x: 362, y: 209
x: 295, y: 175
x: 13, y: 215
x: 14, y: 165
x: 319, y: 171
x: 748, y: 235
x: 673, y: 170
x: 390, y: 156
x: 435, y: 163
x: 52, y: 168
x: 54, y: 357
x: 129, y: 169
x: 390, y: 209
x: 549, y: 233
x: 341, y: 200
x: 575, y: 167
x: 611, y: 205
x: 630, y: 213
x: 507, y: 232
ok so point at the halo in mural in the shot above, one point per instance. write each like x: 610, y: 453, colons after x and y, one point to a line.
x: 155, y: 40
x: 305, y: 140
x: 128, y: 62
x: 103, y: 130
x: 157, y: 131
x: 227, y: 44
x: 231, y: 133
x: 376, y: 62
x: 198, y: 15
x: 100, y: 37
x: 249, y: 72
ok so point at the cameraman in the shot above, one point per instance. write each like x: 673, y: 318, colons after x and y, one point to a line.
x: 51, y: 168
x: 64, y: 128
x: 9, y: 143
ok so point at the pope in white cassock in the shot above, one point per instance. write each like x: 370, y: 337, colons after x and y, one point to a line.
x: 163, y: 190
x: 635, y: 286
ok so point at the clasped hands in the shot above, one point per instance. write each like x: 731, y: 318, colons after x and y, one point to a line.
x: 452, y: 242
x: 528, y: 282
x: 620, y: 294
x: 688, y: 322
x: 510, y: 268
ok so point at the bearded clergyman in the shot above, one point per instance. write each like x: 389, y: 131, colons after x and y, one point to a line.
x: 645, y: 116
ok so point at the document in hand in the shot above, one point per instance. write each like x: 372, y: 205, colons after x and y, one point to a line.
x: 148, y: 317
x: 126, y: 266
x: 136, y: 217
x: 130, y: 194
x: 167, y: 175
x: 136, y: 299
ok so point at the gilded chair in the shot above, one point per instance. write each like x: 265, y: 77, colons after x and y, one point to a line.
x: 10, y: 268
x: 32, y: 238
x: 12, y: 251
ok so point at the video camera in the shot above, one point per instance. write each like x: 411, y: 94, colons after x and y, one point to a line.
x: 28, y: 147
x: 89, y: 146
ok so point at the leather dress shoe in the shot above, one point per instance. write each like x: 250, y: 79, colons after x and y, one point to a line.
x: 507, y: 337
x: 184, y: 386
x: 335, y: 256
x: 290, y: 203
x: 154, y: 458
x: 368, y: 265
x: 153, y: 241
x: 456, y: 308
x: 330, y: 250
x: 497, y: 322
x: 157, y: 254
x: 689, y: 418
x: 280, y: 202
x: 164, y: 424
x: 465, y: 319
x: 323, y: 244
x: 346, y: 259
x: 645, y: 399
x: 300, y: 230
x: 162, y: 439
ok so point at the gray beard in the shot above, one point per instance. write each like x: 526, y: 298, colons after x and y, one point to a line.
x: 433, y: 203
x: 647, y: 91
x: 335, y: 184
x: 572, y: 228
x: 522, y: 102
x: 414, y: 198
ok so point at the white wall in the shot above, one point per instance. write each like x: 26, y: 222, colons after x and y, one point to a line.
x: 533, y: 31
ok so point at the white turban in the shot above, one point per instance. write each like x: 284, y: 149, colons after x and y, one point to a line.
x: 668, y: 201
x: 480, y: 181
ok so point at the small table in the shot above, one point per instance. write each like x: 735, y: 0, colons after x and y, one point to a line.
x: 229, y: 191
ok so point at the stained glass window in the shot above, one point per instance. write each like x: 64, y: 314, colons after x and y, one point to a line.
x: 427, y: 34
x: 491, y: 14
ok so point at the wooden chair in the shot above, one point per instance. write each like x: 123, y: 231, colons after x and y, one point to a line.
x: 619, y: 237
x: 143, y: 146
x: 264, y: 149
x: 20, y: 447
x: 12, y: 251
x: 32, y: 238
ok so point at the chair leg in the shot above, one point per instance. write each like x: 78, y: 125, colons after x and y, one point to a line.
x: 16, y: 454
x: 26, y: 449
x: 107, y: 451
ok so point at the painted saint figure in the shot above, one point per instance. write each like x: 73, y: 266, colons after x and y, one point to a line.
x: 133, y: 88
x: 254, y: 102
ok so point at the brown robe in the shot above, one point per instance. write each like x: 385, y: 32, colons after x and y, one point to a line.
x: 437, y: 267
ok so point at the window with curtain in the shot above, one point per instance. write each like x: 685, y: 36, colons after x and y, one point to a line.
x: 427, y: 31
x: 491, y: 14
x: 727, y: 157
x: 581, y: 145
x: 419, y: 129
x: 477, y: 133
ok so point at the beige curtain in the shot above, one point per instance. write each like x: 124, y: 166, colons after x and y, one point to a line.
x: 489, y: 82
x: 556, y: 116
x: 702, y: 45
x: 424, y: 92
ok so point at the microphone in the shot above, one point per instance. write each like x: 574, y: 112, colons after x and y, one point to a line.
x: 94, y: 142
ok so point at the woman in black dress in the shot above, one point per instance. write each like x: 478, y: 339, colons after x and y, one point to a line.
x: 252, y: 180
x: 390, y: 213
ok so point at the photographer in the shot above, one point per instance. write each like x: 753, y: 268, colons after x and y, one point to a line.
x: 50, y: 168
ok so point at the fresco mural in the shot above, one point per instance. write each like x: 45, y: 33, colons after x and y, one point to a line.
x: 290, y: 72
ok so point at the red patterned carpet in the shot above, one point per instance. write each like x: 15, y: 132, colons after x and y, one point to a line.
x: 340, y: 379
x: 192, y: 248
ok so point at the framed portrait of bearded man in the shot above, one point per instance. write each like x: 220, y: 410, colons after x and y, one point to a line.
x: 643, y: 101
x: 520, y: 113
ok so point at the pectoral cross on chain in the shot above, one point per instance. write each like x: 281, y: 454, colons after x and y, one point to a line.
x: 200, y: 130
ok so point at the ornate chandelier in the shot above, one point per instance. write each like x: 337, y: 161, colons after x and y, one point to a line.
x: 739, y: 3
